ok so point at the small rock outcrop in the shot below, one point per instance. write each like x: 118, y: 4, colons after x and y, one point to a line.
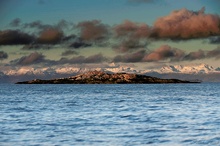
x: 98, y: 77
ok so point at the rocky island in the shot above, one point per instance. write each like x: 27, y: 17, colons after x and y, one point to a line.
x: 99, y: 77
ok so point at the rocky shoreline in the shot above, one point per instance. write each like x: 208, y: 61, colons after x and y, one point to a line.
x: 98, y: 77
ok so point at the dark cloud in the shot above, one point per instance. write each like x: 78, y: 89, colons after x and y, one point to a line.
x: 185, y: 24
x: 200, y: 54
x: 69, y: 38
x: 214, y: 40
x: 69, y: 52
x: 93, y: 31
x: 40, y: 34
x: 33, y: 58
x: 50, y: 36
x: 97, y: 58
x: 165, y: 52
x: 15, y: 37
x: 75, y: 42
x: 15, y: 23
x: 132, y: 30
x: 79, y: 44
x: 129, y: 46
x: 3, y: 55
x: 74, y: 60
x: 42, y: 37
x: 38, y: 58
x: 214, y: 53
x: 130, y: 57
x: 130, y: 36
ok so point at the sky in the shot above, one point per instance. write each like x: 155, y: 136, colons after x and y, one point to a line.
x: 140, y: 33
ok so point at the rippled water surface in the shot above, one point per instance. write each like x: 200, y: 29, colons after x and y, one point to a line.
x: 166, y: 114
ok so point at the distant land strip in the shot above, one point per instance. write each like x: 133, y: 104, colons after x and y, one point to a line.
x: 99, y: 77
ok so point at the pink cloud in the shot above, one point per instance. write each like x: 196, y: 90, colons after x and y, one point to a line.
x: 50, y: 36
x: 163, y: 53
x: 186, y: 24
x: 132, y: 30
x: 92, y: 30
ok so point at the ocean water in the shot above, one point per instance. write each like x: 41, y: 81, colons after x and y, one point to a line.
x: 114, y: 115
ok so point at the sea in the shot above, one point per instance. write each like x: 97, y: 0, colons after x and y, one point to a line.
x: 110, y: 115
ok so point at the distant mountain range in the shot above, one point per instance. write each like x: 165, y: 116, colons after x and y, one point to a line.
x: 192, y: 69
x: 201, y: 72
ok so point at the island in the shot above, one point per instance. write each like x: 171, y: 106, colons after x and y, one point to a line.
x: 99, y: 77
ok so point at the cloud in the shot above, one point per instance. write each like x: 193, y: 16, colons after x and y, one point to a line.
x: 69, y: 38
x: 38, y: 58
x: 92, y: 30
x: 200, y: 54
x: 165, y: 52
x: 15, y: 37
x: 79, y: 44
x: 132, y: 30
x: 3, y: 55
x: 129, y: 46
x: 97, y: 58
x: 75, y: 42
x: 40, y: 35
x: 50, y: 36
x: 16, y: 22
x: 131, y: 36
x: 33, y: 58
x: 69, y: 52
x: 185, y: 24
x: 130, y: 57
x: 214, y: 53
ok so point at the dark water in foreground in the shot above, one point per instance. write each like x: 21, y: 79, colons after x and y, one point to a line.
x: 173, y: 114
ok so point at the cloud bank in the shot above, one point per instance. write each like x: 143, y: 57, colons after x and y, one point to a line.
x: 185, y: 24
x: 163, y: 53
x: 93, y: 31
x: 129, y: 39
x: 179, y: 25
x: 166, y: 53
x: 33, y: 58
x: 15, y: 37
x: 50, y: 36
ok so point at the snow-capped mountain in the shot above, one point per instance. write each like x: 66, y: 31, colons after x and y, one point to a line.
x: 188, y: 69
x: 117, y: 69
x: 199, y: 71
x: 114, y: 68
